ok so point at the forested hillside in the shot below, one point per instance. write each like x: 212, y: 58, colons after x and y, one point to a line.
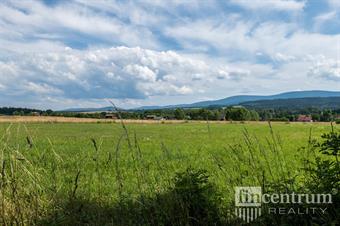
x: 295, y: 103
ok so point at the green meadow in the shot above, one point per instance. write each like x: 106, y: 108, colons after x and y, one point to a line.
x: 114, y: 174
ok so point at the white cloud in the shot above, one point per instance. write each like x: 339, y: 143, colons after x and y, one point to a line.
x: 334, y: 3
x: 141, y: 72
x: 183, y: 90
x: 25, y: 19
x: 324, y: 19
x: 326, y: 68
x: 232, y: 73
x: 220, y: 35
x: 245, y: 39
x: 186, y: 48
x: 281, y: 5
x: 279, y: 57
x: 41, y: 88
x: 117, y: 72
x: 325, y: 16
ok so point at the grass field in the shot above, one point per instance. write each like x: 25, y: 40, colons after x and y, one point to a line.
x: 75, y: 173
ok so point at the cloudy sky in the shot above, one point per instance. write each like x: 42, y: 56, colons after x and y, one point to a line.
x: 82, y: 53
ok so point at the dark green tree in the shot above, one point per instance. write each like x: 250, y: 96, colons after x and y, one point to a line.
x: 179, y: 114
x: 238, y: 114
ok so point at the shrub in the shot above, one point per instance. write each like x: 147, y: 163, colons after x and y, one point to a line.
x: 325, y: 175
x: 197, y: 198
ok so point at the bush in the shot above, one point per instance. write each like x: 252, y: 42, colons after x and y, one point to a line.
x: 197, y: 198
x: 325, y: 175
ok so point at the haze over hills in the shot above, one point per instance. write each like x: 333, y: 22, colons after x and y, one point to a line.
x: 233, y: 100
x: 89, y: 109
x: 295, y: 103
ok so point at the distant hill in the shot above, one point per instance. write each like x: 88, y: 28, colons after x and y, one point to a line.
x: 89, y: 109
x: 233, y: 100
x: 295, y: 103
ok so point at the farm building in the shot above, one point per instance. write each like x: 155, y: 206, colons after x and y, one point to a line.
x: 34, y: 113
x: 154, y: 117
x: 221, y: 117
x: 150, y: 117
x: 111, y: 116
x: 304, y: 118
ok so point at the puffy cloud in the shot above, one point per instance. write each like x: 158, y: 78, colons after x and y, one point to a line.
x: 232, y: 73
x: 117, y: 72
x: 214, y: 43
x: 326, y: 68
x: 141, y: 72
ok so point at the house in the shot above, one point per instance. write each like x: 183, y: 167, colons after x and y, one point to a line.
x: 221, y: 117
x: 154, y: 117
x: 150, y: 117
x: 111, y: 116
x: 35, y: 113
x: 304, y: 118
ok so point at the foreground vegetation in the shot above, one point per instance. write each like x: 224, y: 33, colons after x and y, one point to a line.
x: 157, y: 174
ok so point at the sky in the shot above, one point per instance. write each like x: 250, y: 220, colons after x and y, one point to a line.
x: 84, y: 53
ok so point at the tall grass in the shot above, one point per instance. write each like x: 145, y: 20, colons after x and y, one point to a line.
x: 123, y: 185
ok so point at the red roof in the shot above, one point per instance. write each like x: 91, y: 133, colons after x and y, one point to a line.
x: 304, y: 118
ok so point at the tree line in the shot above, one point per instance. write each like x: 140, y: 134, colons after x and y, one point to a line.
x: 238, y: 113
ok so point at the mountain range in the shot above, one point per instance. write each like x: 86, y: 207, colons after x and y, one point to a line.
x: 229, y: 101
x: 295, y: 103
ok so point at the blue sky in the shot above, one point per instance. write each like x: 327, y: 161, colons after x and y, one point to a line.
x: 82, y: 53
